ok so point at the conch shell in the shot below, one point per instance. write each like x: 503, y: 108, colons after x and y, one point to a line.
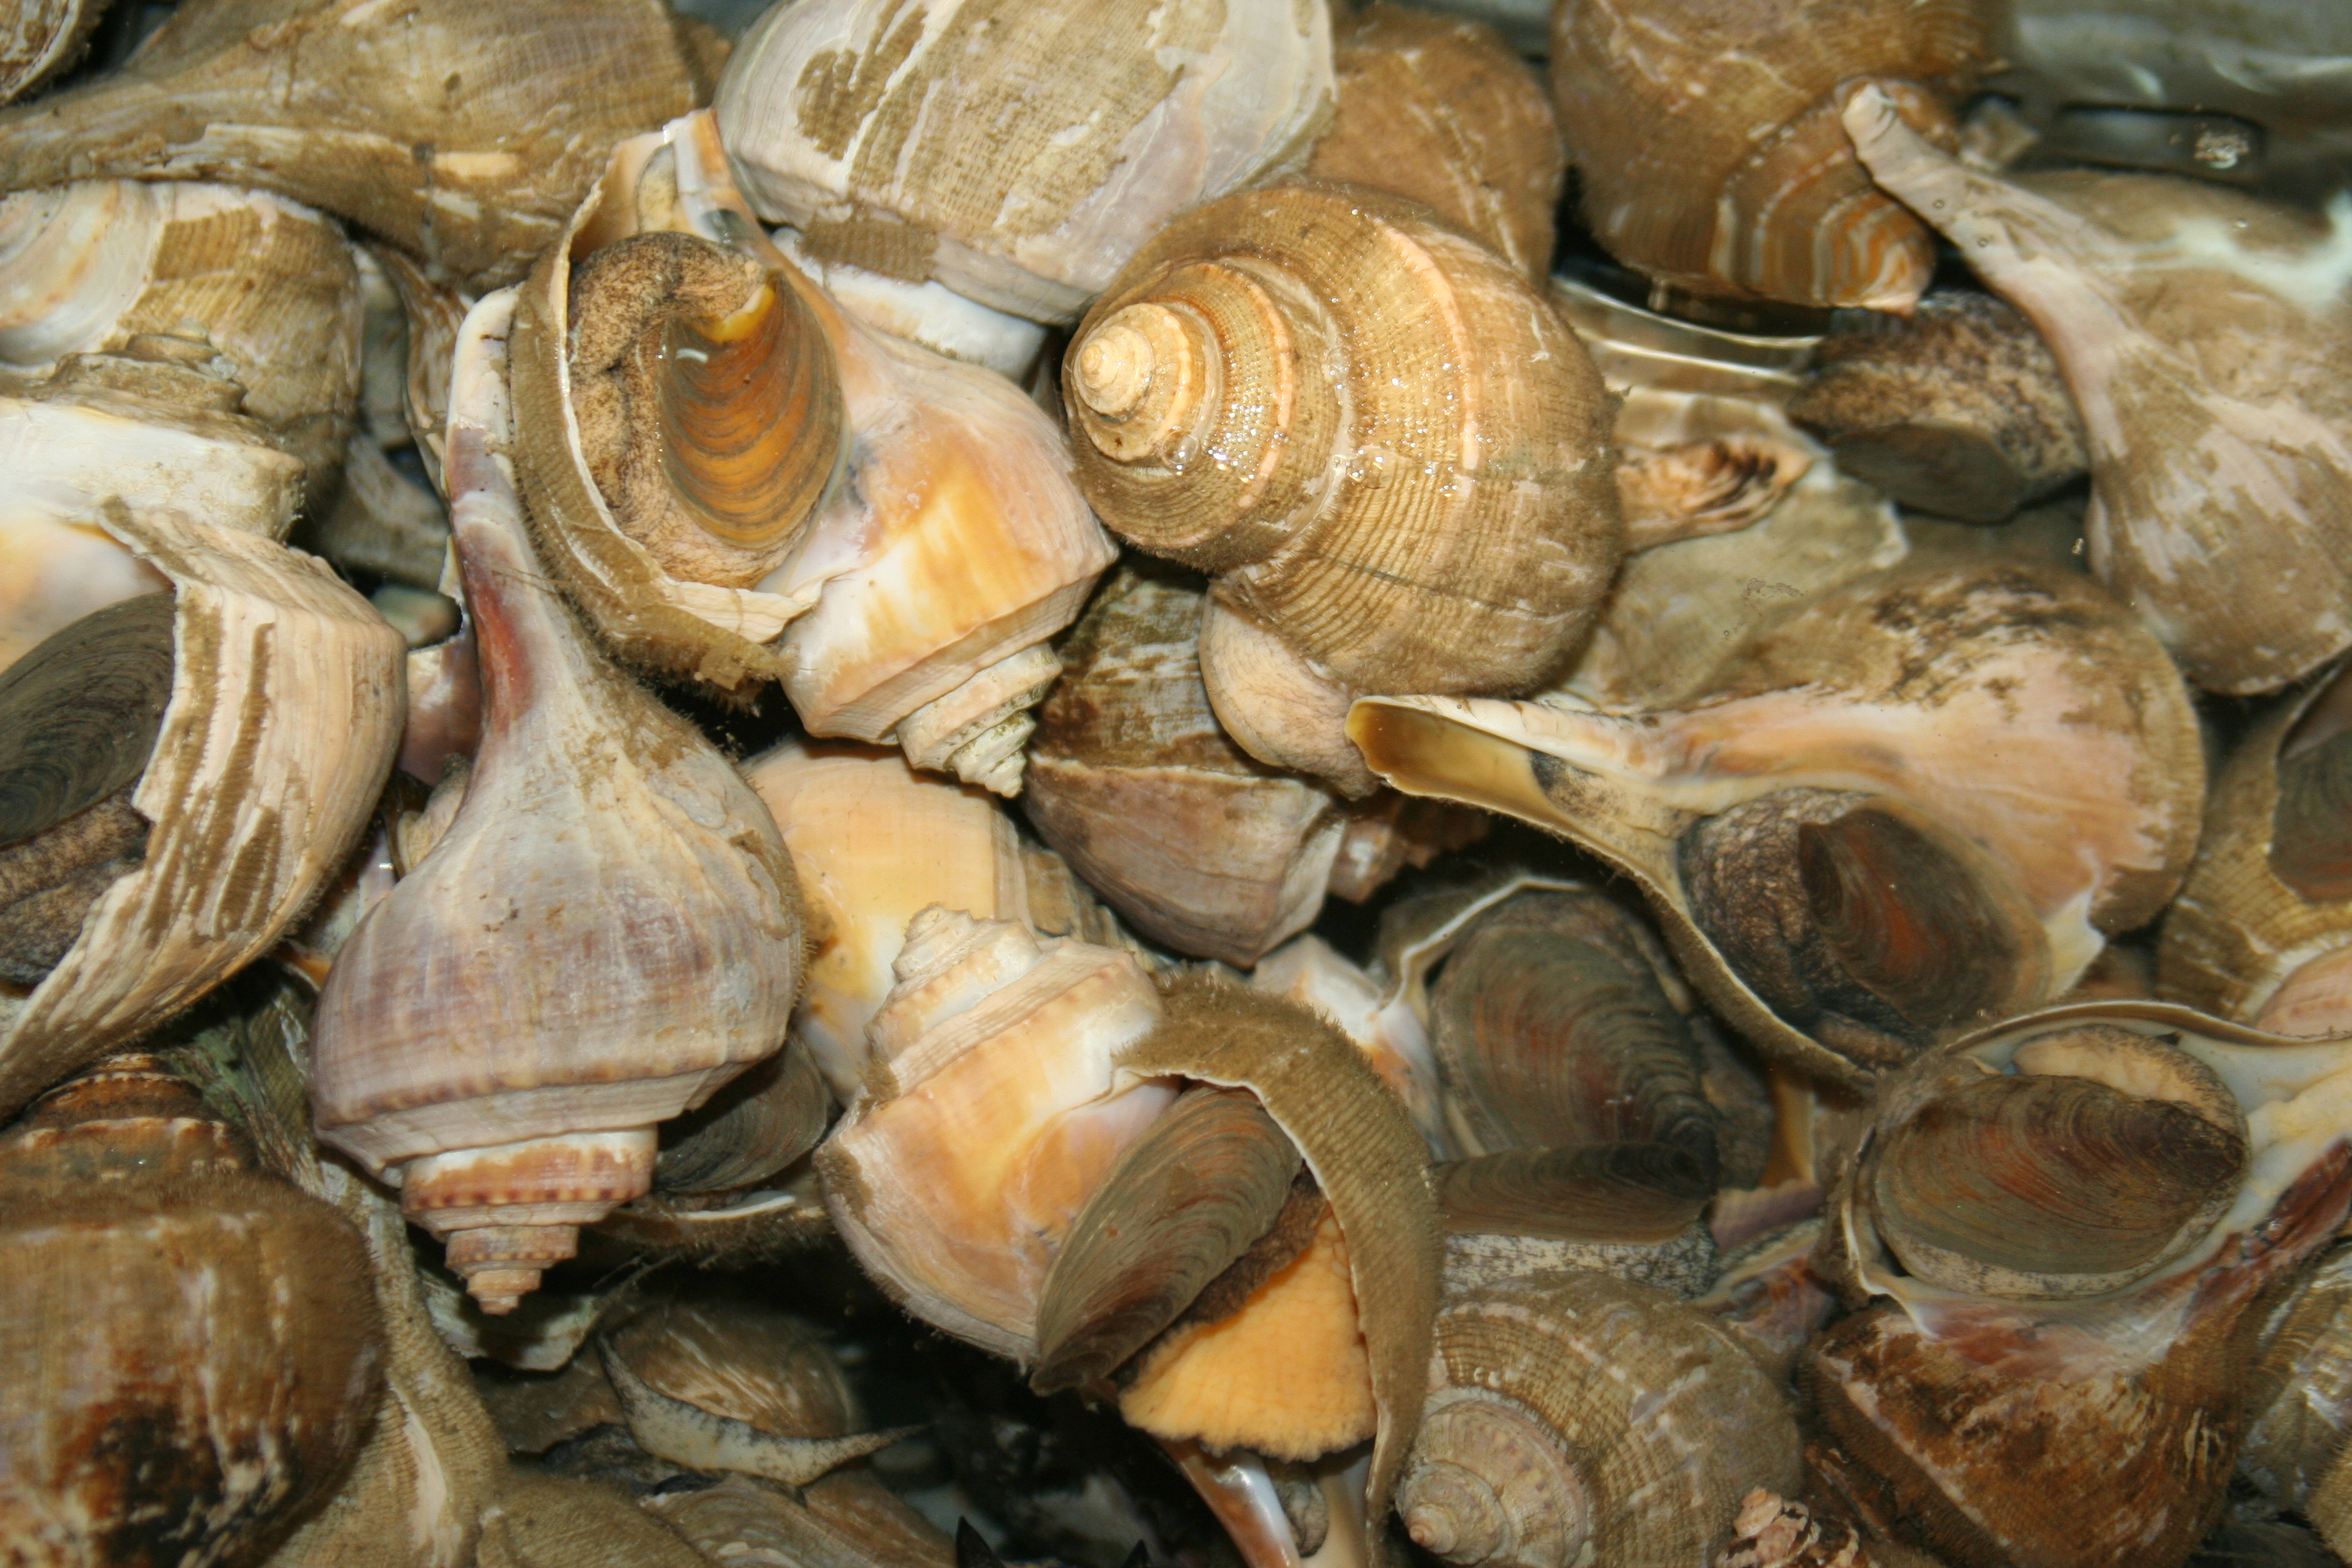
x: 1875, y: 706
x: 2064, y: 1223
x: 2200, y: 333
x: 1018, y: 153
x: 647, y: 946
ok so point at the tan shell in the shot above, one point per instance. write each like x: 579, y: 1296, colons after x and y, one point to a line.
x: 189, y: 1345
x: 1679, y: 615
x: 919, y: 603
x: 1573, y: 1417
x: 1016, y: 152
x: 1357, y: 419
x: 1707, y: 138
x: 1924, y: 1395
x: 1828, y: 698
x: 993, y: 1107
x: 1438, y: 110
x: 509, y: 1079
x: 240, y: 92
x: 433, y: 314
x: 252, y: 809
x: 1199, y: 845
x: 2240, y: 941
x: 39, y: 38
x: 2199, y: 332
x: 87, y: 266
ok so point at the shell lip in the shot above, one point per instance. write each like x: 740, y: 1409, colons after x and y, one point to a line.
x: 1640, y: 846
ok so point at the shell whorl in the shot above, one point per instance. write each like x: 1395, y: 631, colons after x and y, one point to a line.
x: 1395, y: 457
x: 1710, y: 144
x: 1637, y: 1420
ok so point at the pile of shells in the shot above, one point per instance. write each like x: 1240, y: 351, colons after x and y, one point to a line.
x: 925, y: 784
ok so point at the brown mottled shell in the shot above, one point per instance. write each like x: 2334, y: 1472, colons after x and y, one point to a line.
x: 2198, y: 330
x: 2258, y: 932
x: 1439, y: 110
x: 1393, y: 454
x: 1199, y: 845
x: 285, y: 711
x: 331, y: 105
x: 189, y: 1343
x: 1946, y: 1407
x: 1574, y: 1418
x: 1708, y: 139
x: 1018, y: 153
x: 1838, y: 696
x: 1959, y: 411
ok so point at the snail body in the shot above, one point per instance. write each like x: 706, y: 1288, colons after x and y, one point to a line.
x: 1303, y: 390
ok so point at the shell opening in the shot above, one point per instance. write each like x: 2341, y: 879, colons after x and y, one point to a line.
x: 1860, y: 921
x: 710, y: 410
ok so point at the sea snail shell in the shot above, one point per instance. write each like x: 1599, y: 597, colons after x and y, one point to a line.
x: 1819, y: 774
x: 1573, y: 1417
x: 2261, y: 928
x: 646, y: 946
x: 2199, y: 332
x: 1016, y: 152
x: 1706, y: 135
x: 1393, y: 453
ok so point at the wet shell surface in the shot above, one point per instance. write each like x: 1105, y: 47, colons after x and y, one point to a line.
x: 853, y: 122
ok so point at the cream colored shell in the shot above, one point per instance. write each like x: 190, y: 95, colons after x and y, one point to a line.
x: 1018, y: 152
x: 285, y: 711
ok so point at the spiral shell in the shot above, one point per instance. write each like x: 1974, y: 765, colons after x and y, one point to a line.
x: 1707, y: 138
x: 509, y: 1080
x: 1018, y: 153
x: 39, y: 38
x: 190, y: 1344
x: 1393, y: 456
x: 1573, y: 1417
